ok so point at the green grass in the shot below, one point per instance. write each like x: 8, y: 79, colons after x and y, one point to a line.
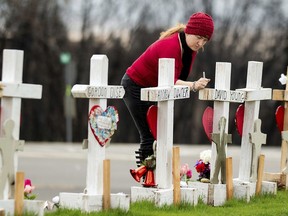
x: 264, y: 205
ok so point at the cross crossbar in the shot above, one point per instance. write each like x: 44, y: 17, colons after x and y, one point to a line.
x: 89, y: 91
x: 21, y: 90
x: 236, y: 96
x: 165, y: 93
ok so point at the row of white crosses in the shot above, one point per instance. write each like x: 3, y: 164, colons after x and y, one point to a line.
x: 12, y: 90
x: 251, y: 95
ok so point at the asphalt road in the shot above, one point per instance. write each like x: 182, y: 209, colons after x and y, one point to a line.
x: 61, y: 167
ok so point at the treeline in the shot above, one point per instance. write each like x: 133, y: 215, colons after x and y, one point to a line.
x: 244, y: 31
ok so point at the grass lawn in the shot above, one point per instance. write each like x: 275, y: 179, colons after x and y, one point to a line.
x: 264, y: 205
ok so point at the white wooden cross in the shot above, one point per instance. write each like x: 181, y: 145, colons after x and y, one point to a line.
x: 282, y: 95
x: 98, y: 91
x: 251, y: 113
x: 165, y: 94
x: 8, y: 146
x: 256, y: 139
x: 221, y: 96
x: 12, y: 90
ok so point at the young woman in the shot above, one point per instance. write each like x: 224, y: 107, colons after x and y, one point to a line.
x: 181, y: 43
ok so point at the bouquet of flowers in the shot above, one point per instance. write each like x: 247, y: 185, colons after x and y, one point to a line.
x: 28, y: 188
x: 202, y: 166
x: 185, y: 174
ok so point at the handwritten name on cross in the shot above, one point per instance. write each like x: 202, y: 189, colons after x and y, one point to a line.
x: 221, y: 107
x: 8, y: 146
x: 220, y: 139
x: 98, y: 92
x: 236, y: 96
x: 251, y: 113
x: 165, y: 94
x: 12, y: 90
x: 282, y: 95
x: 256, y: 139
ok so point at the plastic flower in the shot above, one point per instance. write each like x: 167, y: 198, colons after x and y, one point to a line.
x: 28, y: 188
x: 184, y: 169
x: 189, y: 174
x: 205, y: 156
x: 202, y: 166
x: 185, y: 173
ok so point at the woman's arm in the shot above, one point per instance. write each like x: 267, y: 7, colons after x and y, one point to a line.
x: 196, y: 85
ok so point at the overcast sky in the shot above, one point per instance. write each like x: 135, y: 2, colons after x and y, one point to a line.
x: 125, y: 13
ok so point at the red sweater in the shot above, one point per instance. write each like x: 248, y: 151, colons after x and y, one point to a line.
x: 144, y: 71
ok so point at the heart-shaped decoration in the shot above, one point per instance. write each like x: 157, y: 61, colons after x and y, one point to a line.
x: 239, y: 119
x: 279, y: 114
x: 152, y: 120
x: 207, y: 121
x: 103, y: 123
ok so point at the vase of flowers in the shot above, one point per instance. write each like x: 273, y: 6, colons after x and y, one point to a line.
x: 202, y: 166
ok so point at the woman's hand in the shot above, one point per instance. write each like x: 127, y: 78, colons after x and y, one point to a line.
x: 200, y: 84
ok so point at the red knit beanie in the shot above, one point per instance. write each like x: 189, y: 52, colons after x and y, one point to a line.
x: 200, y: 24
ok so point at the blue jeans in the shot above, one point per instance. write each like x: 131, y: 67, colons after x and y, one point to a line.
x: 138, y: 110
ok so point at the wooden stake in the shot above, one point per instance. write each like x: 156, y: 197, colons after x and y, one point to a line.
x: 2, y: 212
x: 19, y: 194
x: 285, y: 127
x: 260, y: 174
x: 229, y: 178
x: 106, y: 184
x: 176, y: 176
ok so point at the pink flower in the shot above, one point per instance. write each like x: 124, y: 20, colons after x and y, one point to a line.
x: 28, y: 188
x: 184, y: 169
x: 185, y: 173
x: 27, y: 182
x: 189, y: 174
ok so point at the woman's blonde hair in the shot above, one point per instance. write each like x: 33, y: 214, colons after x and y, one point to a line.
x: 178, y: 28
